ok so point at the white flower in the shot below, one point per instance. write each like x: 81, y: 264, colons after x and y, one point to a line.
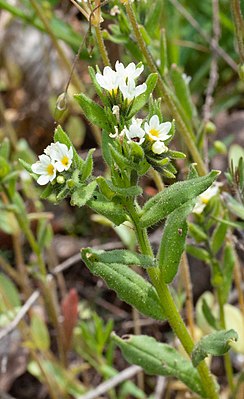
x: 129, y: 72
x: 116, y: 111
x: 130, y: 90
x: 204, y: 198
x: 159, y: 147
x: 135, y: 132
x: 109, y: 80
x: 186, y: 78
x: 157, y: 131
x: 61, y: 154
x: 46, y: 168
x: 114, y: 10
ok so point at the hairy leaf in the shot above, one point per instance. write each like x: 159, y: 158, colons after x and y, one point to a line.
x: 129, y: 286
x: 217, y: 344
x: 173, y: 197
x: 159, y: 359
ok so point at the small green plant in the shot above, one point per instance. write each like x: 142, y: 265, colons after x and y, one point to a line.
x: 130, y: 147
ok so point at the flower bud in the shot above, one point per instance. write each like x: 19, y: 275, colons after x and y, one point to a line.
x: 210, y: 128
x: 220, y: 147
x: 60, y: 179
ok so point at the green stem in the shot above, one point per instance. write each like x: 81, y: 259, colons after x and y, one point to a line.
x: 166, y: 94
x: 239, y: 26
x: 169, y: 306
x: 101, y: 46
x: 227, y: 360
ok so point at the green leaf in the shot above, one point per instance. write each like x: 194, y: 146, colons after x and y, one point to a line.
x: 62, y: 137
x: 122, y: 256
x: 125, y: 191
x: 4, y: 167
x: 173, y: 241
x: 207, y: 312
x: 196, y: 232
x: 142, y: 99
x: 39, y: 333
x: 87, y: 166
x: 106, y: 142
x: 8, y: 222
x: 83, y: 194
x: 159, y: 359
x: 227, y: 271
x: 218, y: 237
x: 129, y: 286
x: 5, y: 148
x: 93, y: 112
x: 9, y: 296
x: 234, y: 206
x: 165, y: 202
x: 198, y: 253
x: 44, y: 234
x: 182, y: 91
x: 112, y: 211
x: 217, y: 344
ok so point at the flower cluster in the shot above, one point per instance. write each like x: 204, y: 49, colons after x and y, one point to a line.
x: 57, y: 157
x: 123, y: 79
x: 154, y: 131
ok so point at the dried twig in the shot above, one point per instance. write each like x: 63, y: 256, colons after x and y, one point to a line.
x: 21, y: 314
x: 113, y: 382
x: 213, y: 76
x: 160, y: 387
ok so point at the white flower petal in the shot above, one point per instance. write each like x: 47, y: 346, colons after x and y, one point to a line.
x: 43, y: 179
x: 159, y: 147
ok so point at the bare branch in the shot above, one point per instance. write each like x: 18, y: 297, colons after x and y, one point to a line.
x: 21, y: 314
x: 113, y: 382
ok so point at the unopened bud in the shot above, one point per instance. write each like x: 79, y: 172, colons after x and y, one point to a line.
x: 210, y: 128
x: 60, y: 179
x: 220, y: 147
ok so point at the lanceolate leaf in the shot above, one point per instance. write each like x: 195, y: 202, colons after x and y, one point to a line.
x: 112, y: 211
x: 173, y: 241
x: 159, y: 359
x: 173, y: 197
x: 83, y: 194
x: 129, y: 286
x: 120, y: 256
x: 93, y: 112
x: 217, y: 344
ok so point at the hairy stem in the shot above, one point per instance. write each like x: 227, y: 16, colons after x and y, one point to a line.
x: 169, y: 306
x: 166, y: 94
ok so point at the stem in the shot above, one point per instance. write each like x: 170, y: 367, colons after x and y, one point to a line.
x: 238, y: 282
x: 166, y: 93
x: 101, y: 46
x: 227, y: 360
x: 239, y: 26
x: 189, y: 298
x: 169, y: 306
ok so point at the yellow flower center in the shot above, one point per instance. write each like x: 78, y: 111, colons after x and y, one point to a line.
x: 154, y: 132
x: 50, y: 169
x: 113, y: 92
x: 65, y: 161
x: 205, y: 201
